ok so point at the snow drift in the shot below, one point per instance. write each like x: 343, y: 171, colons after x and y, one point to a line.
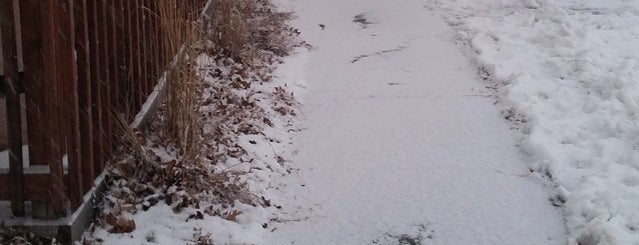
x: 571, y: 68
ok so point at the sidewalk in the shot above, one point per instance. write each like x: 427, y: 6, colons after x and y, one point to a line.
x: 404, y: 144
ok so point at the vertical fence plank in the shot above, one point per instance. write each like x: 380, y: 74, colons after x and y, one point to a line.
x: 11, y: 83
x: 106, y: 90
x: 122, y: 52
x: 69, y: 98
x: 132, y: 77
x: 114, y: 68
x: 19, y: 56
x: 105, y: 80
x: 1, y: 60
x: 160, y: 55
x: 151, y: 42
x: 156, y: 40
x: 56, y: 207
x: 32, y: 18
x: 144, y: 51
x: 96, y: 98
x: 139, y: 95
x: 84, y: 92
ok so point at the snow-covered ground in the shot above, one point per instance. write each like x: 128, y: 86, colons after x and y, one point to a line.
x: 571, y: 70
x: 404, y: 144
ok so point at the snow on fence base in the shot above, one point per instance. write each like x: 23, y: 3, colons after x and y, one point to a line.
x: 67, y: 229
x: 150, y: 107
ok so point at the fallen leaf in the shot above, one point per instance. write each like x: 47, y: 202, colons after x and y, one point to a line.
x: 120, y: 224
x: 233, y: 215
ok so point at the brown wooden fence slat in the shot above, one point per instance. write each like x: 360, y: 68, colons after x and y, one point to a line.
x: 96, y: 98
x: 138, y: 58
x: 106, y: 90
x: 150, y: 18
x: 114, y: 67
x: 104, y: 78
x: 10, y: 82
x: 32, y: 15
x: 56, y: 205
x: 155, y: 41
x: 84, y: 92
x: 143, y: 50
x: 122, y: 53
x: 1, y: 62
x: 161, y: 55
x: 128, y: 5
x: 122, y: 49
x: 69, y: 96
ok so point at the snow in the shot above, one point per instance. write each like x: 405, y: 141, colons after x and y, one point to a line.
x: 404, y: 144
x: 570, y: 68
x: 160, y: 225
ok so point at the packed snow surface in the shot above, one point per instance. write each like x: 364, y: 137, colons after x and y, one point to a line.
x: 571, y: 69
x: 403, y: 142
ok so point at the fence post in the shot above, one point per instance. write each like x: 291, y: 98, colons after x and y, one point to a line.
x: 40, y: 42
x: 11, y: 85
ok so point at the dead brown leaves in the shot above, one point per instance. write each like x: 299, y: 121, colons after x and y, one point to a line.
x: 231, y: 216
x: 21, y: 235
x: 119, y: 224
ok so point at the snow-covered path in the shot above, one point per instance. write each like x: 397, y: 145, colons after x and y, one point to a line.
x: 404, y: 142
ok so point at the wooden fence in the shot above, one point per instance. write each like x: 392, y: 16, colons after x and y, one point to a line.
x: 73, y: 62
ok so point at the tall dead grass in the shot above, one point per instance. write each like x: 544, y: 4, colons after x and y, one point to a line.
x: 232, y: 30
x: 228, y: 26
x: 244, y: 29
x: 180, y: 31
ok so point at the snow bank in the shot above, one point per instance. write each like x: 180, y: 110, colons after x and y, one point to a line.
x: 571, y: 69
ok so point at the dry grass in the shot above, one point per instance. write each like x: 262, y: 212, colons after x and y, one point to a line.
x: 228, y: 26
x: 240, y: 29
x: 183, y: 86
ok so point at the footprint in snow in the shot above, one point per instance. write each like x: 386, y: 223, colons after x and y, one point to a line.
x: 408, y: 235
x: 362, y: 20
